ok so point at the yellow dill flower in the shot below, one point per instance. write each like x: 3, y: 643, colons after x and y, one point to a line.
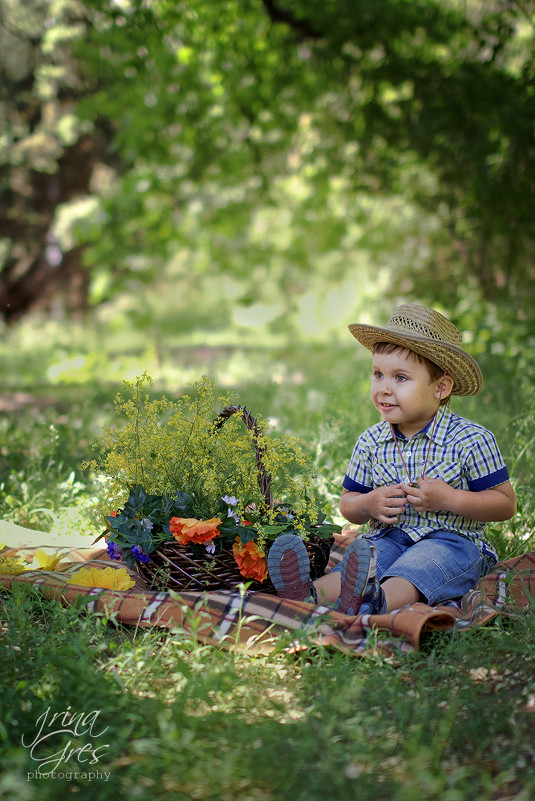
x: 110, y: 578
x: 169, y: 445
x: 11, y: 565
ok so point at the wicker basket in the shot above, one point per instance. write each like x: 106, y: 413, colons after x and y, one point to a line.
x: 176, y: 567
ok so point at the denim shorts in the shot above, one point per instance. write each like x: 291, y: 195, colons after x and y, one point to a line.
x: 442, y: 565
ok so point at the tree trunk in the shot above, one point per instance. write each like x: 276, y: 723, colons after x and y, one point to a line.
x: 36, y: 272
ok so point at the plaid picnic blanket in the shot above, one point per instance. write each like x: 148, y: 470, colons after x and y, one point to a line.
x: 257, y: 620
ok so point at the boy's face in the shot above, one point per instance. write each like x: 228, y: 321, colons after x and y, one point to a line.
x: 403, y: 392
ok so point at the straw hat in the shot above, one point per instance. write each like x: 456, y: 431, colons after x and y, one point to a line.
x: 428, y: 333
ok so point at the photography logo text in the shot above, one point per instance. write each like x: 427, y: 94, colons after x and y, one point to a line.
x: 75, y: 738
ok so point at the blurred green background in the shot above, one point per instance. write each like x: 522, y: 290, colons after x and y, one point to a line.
x: 219, y: 187
x: 192, y: 188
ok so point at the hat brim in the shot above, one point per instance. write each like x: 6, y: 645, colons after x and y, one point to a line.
x: 463, y: 368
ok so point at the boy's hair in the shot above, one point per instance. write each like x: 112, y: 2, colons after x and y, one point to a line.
x: 435, y: 372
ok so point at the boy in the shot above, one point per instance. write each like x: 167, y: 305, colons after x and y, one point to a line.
x: 426, y: 480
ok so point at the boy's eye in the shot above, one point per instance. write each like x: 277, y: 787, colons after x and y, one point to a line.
x: 401, y: 377
x: 377, y: 374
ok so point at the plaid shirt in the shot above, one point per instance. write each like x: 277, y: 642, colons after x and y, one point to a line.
x: 462, y: 453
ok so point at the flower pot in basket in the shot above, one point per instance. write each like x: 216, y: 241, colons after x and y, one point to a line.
x: 177, y: 540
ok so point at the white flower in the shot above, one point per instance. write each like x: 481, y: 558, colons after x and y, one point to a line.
x: 210, y: 547
x: 286, y: 513
x: 231, y: 501
x: 147, y: 524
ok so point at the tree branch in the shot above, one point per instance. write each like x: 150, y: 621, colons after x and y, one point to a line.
x: 286, y: 17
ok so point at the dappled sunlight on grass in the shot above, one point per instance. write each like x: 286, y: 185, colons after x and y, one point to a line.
x: 60, y: 379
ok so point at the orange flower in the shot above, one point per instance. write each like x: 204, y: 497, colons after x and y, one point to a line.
x: 251, y: 561
x: 188, y: 529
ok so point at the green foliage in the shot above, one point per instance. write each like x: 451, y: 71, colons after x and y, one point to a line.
x: 246, y: 160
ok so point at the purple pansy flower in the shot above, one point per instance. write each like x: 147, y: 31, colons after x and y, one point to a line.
x: 114, y: 552
x: 140, y: 554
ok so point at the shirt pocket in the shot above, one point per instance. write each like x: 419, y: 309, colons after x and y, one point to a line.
x: 385, y: 474
x: 449, y: 471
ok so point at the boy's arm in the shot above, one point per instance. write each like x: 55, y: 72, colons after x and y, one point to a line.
x: 486, y: 506
x: 383, y: 504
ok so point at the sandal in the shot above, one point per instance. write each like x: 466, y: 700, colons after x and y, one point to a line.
x: 289, y: 568
x: 358, y: 576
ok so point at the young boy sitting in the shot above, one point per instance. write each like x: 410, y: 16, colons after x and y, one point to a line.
x: 425, y: 479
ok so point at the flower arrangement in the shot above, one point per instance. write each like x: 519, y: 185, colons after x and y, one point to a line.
x: 175, y: 474
x: 147, y: 521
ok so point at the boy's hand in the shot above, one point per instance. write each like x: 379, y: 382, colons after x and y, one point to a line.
x: 431, y: 495
x: 386, y: 503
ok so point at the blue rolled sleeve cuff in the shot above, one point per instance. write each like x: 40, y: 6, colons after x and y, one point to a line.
x: 353, y: 486
x: 490, y: 481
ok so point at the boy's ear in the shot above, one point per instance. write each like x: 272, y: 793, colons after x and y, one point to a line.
x: 444, y: 386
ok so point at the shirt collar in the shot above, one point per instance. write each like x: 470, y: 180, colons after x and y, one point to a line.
x: 439, y: 433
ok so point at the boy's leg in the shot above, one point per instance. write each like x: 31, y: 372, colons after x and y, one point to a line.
x: 443, y: 566
x: 399, y: 592
x: 328, y: 587
x: 358, y: 577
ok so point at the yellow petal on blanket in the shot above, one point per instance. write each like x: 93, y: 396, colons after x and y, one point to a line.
x: 45, y: 561
x: 11, y: 565
x: 110, y: 578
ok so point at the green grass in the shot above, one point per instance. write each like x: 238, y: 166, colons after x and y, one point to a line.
x: 185, y: 720
x: 188, y: 721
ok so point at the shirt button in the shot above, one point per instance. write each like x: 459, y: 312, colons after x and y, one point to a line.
x: 409, y: 453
